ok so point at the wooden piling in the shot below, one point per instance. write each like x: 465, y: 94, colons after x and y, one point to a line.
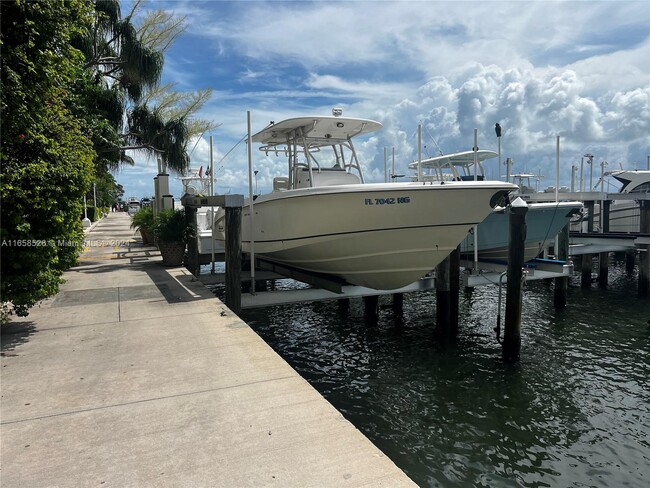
x: 562, y: 283
x: 603, y: 257
x: 585, y: 281
x: 644, y: 254
x: 589, y: 205
x: 454, y: 287
x: 398, y: 303
x: 192, y: 262
x: 233, y: 258
x: 443, y: 309
x: 512, y: 333
x: 577, y: 263
x: 232, y: 204
x: 603, y: 269
x: 585, y: 276
x: 630, y: 261
x: 371, y: 309
x: 604, y: 215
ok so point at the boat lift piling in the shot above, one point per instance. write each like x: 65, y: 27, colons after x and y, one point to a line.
x: 192, y: 259
x: 447, y: 293
x: 233, y: 208
x: 371, y: 309
x: 562, y: 283
x: 443, y: 296
x: 586, y: 268
x: 512, y: 332
x: 454, y: 287
x: 603, y: 257
x: 562, y: 245
x: 644, y: 254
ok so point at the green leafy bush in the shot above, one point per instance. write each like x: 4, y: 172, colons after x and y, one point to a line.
x: 171, y: 226
x: 143, y: 219
x: 46, y: 159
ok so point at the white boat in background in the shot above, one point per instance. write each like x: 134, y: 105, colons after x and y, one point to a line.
x: 625, y: 215
x: 195, y: 184
x: 321, y: 217
x: 132, y: 205
x: 543, y: 220
x: 634, y: 181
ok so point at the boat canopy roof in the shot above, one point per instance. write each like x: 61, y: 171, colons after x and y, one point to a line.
x: 314, y: 131
x: 465, y: 158
x: 525, y: 175
x: 634, y: 181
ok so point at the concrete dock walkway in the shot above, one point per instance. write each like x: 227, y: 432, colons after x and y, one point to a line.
x: 135, y: 375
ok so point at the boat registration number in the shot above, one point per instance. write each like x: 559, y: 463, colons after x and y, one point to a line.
x: 387, y: 201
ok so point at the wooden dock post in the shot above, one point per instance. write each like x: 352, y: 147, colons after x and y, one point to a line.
x: 454, y: 287
x: 644, y: 254
x: 585, y: 276
x: 232, y: 204
x: 398, y: 303
x: 443, y: 297
x: 192, y: 257
x: 344, y: 305
x: 371, y: 309
x: 603, y: 269
x: 577, y: 263
x: 630, y: 261
x: 512, y: 333
x: 589, y: 205
x: 585, y: 281
x: 562, y: 283
x: 603, y: 258
x: 233, y: 258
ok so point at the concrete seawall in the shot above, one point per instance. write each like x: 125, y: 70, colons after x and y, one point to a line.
x: 136, y: 375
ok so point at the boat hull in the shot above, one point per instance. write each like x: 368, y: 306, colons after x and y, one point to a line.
x: 624, y: 216
x: 381, y: 236
x: 543, y: 222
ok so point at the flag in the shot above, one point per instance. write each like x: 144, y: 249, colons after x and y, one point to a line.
x: 201, y: 172
x: 208, y: 172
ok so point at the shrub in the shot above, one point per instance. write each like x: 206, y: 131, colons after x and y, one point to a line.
x: 143, y: 219
x: 171, y: 226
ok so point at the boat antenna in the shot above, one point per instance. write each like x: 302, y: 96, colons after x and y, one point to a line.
x: 434, y: 141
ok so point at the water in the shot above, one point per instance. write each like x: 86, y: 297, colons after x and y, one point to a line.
x: 573, y: 412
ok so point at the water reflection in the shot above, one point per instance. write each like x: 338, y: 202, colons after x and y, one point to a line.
x: 574, y: 411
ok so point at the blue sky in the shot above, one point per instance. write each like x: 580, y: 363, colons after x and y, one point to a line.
x: 575, y: 69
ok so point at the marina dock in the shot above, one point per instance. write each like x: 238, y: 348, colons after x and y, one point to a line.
x: 136, y: 375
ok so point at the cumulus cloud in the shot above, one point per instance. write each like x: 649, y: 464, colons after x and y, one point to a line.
x: 580, y: 70
x: 533, y: 108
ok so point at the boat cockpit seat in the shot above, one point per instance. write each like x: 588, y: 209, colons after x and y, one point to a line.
x: 280, y: 183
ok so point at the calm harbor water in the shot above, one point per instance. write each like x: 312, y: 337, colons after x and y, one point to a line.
x: 573, y: 412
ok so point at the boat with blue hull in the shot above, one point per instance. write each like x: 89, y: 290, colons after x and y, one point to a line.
x: 543, y: 220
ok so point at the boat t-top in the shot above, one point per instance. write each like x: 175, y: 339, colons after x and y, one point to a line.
x: 322, y: 217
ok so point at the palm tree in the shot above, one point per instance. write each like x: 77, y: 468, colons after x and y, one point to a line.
x: 133, y: 112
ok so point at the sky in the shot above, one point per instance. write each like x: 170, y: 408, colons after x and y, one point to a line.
x: 577, y: 70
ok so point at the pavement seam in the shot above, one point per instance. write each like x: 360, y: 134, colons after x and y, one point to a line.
x: 145, y: 400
